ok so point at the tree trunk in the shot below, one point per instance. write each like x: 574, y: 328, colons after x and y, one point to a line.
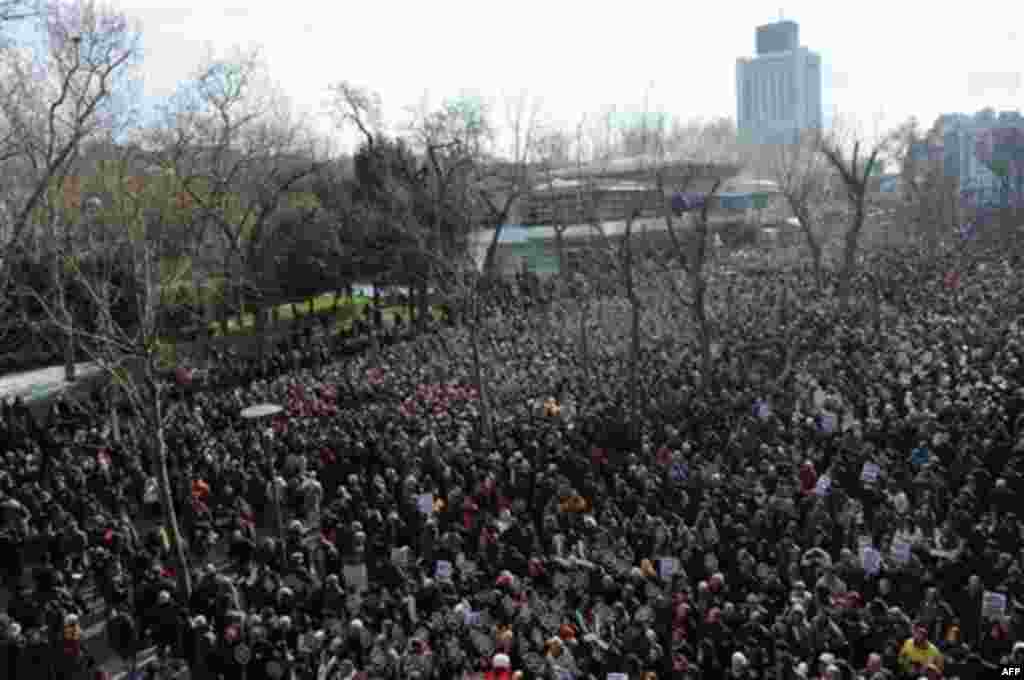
x: 699, y: 311
x: 563, y: 268
x: 223, y: 311
x: 816, y: 255
x: 423, y: 300
x: 69, y: 338
x: 167, y: 496
x: 69, y: 352
x: 240, y: 305
x: 634, y: 345
x: 486, y: 423
x: 200, y: 307
x: 490, y: 259
x: 850, y: 254
x: 260, y: 323
x: 584, y: 344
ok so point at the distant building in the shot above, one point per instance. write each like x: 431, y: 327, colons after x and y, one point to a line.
x: 778, y: 92
x: 960, y: 136
x: 560, y: 217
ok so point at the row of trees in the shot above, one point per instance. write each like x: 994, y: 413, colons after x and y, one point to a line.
x: 114, y: 233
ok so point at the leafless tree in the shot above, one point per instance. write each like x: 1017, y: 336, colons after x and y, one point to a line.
x: 801, y: 172
x: 855, y: 167
x: 128, y: 352
x: 241, y: 157
x: 52, y: 103
x: 929, y: 194
x: 53, y: 100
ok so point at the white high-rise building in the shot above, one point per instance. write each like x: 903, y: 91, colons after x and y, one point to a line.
x: 778, y: 92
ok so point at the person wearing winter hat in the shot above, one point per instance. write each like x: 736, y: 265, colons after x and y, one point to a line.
x: 738, y: 666
x: 501, y: 669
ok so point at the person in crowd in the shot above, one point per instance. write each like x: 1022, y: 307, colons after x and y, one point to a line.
x: 846, y: 512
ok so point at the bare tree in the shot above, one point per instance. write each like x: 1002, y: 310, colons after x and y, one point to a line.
x: 500, y: 153
x: 687, y: 191
x: 128, y: 349
x: 240, y: 157
x: 854, y: 170
x: 929, y: 194
x: 52, y: 101
x: 51, y: 105
x: 801, y: 172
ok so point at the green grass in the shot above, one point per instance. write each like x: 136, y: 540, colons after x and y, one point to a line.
x: 348, y: 309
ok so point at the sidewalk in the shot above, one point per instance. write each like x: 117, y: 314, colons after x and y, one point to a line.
x: 44, y: 382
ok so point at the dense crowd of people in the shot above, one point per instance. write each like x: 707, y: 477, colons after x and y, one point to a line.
x: 838, y: 501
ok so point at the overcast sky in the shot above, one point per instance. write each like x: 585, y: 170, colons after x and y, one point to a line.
x: 883, y: 60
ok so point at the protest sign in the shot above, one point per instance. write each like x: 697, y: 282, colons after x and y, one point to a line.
x: 559, y: 541
x: 400, y: 556
x: 425, y: 503
x: 900, y: 551
x: 993, y: 605
x: 823, y: 486
x: 869, y: 473
x: 667, y: 567
x: 356, y: 576
x: 870, y: 560
x: 443, y: 570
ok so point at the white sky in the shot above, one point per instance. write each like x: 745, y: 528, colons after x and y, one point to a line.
x: 883, y: 60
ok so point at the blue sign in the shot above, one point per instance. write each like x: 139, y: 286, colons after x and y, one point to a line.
x: 680, y: 472
x: 920, y: 456
x: 686, y: 202
x: 513, y: 233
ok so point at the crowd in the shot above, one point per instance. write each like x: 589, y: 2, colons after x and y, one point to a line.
x: 842, y: 509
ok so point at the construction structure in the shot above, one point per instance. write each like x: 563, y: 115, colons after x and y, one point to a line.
x: 571, y: 207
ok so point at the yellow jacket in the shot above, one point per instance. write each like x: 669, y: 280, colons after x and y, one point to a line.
x: 911, y: 655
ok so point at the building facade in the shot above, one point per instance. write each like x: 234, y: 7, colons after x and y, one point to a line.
x: 778, y: 92
x: 963, y: 145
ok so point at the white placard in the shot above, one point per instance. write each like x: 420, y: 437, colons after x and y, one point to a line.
x: 818, y: 398
x: 425, y: 503
x: 869, y: 473
x: 993, y: 605
x: 356, y: 576
x: 559, y: 545
x: 618, y: 676
x: 823, y: 486
x: 410, y: 603
x: 443, y: 570
x: 870, y: 560
x: 900, y: 551
x: 400, y: 556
